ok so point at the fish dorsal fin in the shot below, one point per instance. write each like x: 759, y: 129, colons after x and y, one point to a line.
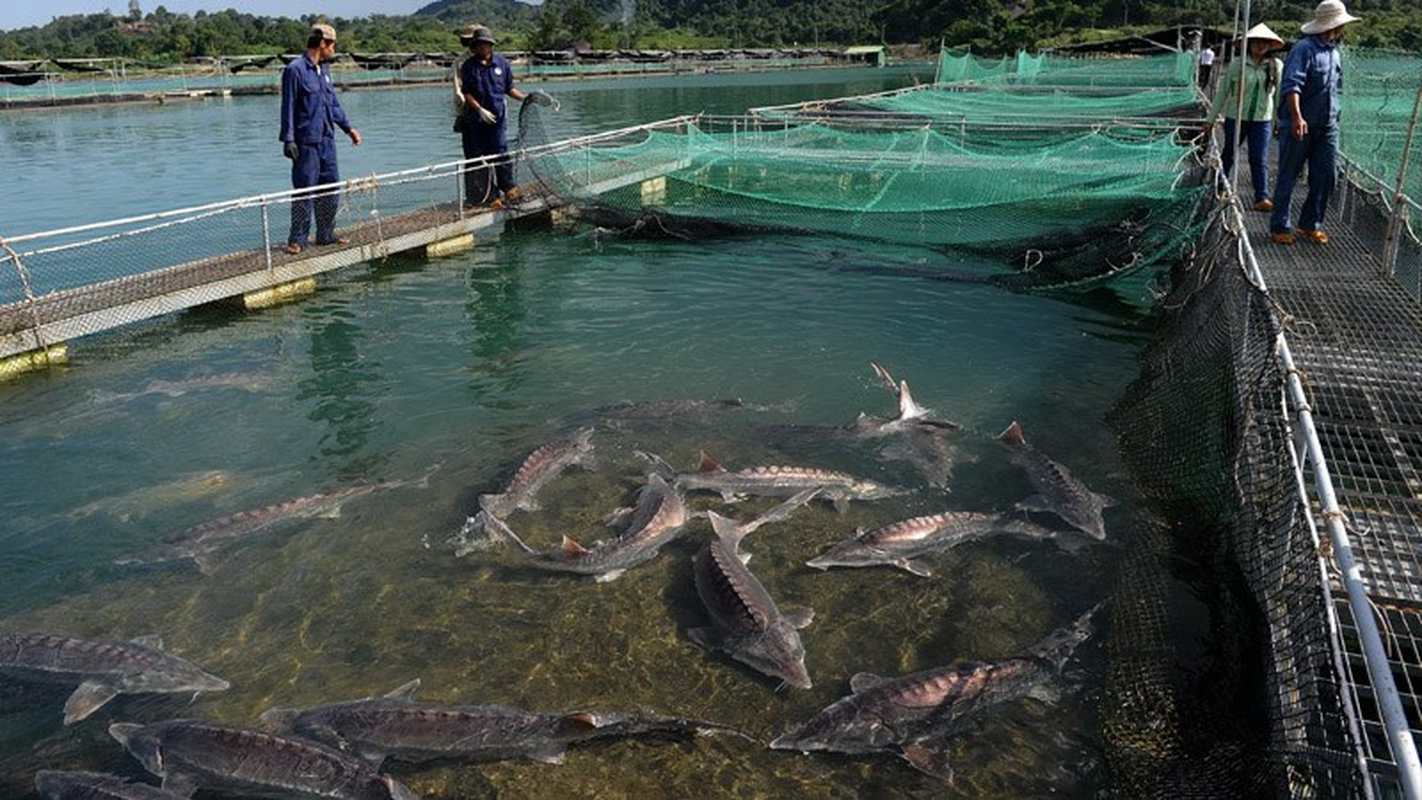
x: 908, y: 409
x: 404, y: 691
x: 87, y: 699
x: 864, y: 681
x: 582, y: 719
x: 152, y: 640
x: 572, y: 549
x: 709, y: 464
x: 1013, y: 435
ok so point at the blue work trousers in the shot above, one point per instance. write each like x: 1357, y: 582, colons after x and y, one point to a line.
x: 314, y: 165
x: 1256, y: 136
x: 484, y: 184
x: 1319, y: 150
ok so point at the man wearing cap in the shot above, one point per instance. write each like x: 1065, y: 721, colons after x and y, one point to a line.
x: 1255, y: 119
x: 484, y: 80
x: 310, y: 115
x: 1308, y: 110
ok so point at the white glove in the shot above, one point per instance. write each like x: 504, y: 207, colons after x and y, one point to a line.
x: 488, y: 116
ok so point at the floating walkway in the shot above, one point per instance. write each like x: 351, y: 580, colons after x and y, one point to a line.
x: 1355, y: 334
x: 61, y: 285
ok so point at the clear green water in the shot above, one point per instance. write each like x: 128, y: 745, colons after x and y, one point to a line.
x: 470, y: 362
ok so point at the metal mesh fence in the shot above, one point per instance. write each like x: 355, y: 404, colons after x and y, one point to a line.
x: 1207, y: 432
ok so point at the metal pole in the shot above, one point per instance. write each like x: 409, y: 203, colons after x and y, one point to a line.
x: 1399, y: 735
x: 1389, y: 261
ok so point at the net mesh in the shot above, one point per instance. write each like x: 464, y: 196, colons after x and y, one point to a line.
x: 1057, y: 210
x: 1207, y: 434
x: 1379, y: 98
x: 1175, y: 69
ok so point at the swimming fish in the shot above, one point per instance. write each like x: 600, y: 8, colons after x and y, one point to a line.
x: 395, y: 726
x: 783, y: 481
x: 538, y: 469
x: 1059, y: 491
x: 901, y: 543
x: 745, y: 622
x: 914, y: 716
x: 192, y: 755
x: 201, y: 542
x: 658, y: 518
x: 103, y: 669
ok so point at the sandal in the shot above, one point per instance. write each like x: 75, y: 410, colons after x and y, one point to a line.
x: 1281, y: 237
x: 1317, y: 237
x: 293, y: 248
x: 337, y: 240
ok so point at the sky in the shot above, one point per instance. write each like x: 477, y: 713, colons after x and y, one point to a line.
x: 25, y: 13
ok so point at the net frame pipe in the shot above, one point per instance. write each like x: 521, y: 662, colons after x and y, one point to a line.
x: 1399, y: 735
x: 1389, y: 260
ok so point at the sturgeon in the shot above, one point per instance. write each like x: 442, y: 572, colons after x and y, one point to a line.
x: 745, y: 622
x: 1059, y: 492
x: 659, y: 517
x: 395, y: 726
x: 899, y: 544
x: 103, y: 669
x: 58, y: 785
x: 190, y: 754
x: 915, y: 435
x: 202, y: 541
x: 537, y: 470
x: 784, y: 481
x: 913, y: 716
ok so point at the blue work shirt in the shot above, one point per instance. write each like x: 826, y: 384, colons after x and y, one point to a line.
x: 489, y: 83
x: 1313, y: 71
x: 310, y: 110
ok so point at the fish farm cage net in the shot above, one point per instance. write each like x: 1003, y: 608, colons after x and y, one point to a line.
x: 1175, y: 69
x: 1207, y: 434
x: 1379, y: 112
x: 1064, y: 209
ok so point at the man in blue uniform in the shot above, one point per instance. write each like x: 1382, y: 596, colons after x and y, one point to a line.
x: 484, y: 79
x: 1308, y: 112
x: 310, y: 115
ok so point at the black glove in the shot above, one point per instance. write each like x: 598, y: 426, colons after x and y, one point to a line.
x: 290, y: 150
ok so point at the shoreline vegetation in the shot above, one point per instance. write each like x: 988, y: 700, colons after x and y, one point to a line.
x: 121, y: 82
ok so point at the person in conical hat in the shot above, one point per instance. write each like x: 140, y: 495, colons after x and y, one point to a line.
x: 1256, y: 78
x: 1309, y: 105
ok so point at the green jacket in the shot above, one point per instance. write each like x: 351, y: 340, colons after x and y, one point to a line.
x: 1261, y: 84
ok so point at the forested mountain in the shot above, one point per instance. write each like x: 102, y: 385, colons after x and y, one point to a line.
x: 987, y: 26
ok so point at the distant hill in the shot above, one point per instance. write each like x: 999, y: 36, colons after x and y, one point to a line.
x: 494, y: 13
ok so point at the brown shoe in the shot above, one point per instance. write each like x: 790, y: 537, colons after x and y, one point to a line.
x: 1281, y: 237
x: 1317, y: 237
x: 1264, y: 205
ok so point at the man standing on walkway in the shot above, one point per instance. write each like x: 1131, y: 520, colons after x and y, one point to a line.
x: 484, y: 79
x: 1308, y: 112
x: 310, y: 115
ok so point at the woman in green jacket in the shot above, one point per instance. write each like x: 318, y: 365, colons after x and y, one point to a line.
x: 1256, y: 118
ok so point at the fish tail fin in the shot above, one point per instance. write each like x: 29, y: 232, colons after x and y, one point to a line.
x: 781, y: 511
x: 727, y: 529
x: 885, y: 377
x: 658, y: 463
x: 500, y: 532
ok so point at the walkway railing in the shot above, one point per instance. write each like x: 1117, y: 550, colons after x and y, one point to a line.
x: 59, y: 284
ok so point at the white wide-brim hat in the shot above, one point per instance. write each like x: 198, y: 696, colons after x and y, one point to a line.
x: 1265, y: 33
x: 1330, y: 14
